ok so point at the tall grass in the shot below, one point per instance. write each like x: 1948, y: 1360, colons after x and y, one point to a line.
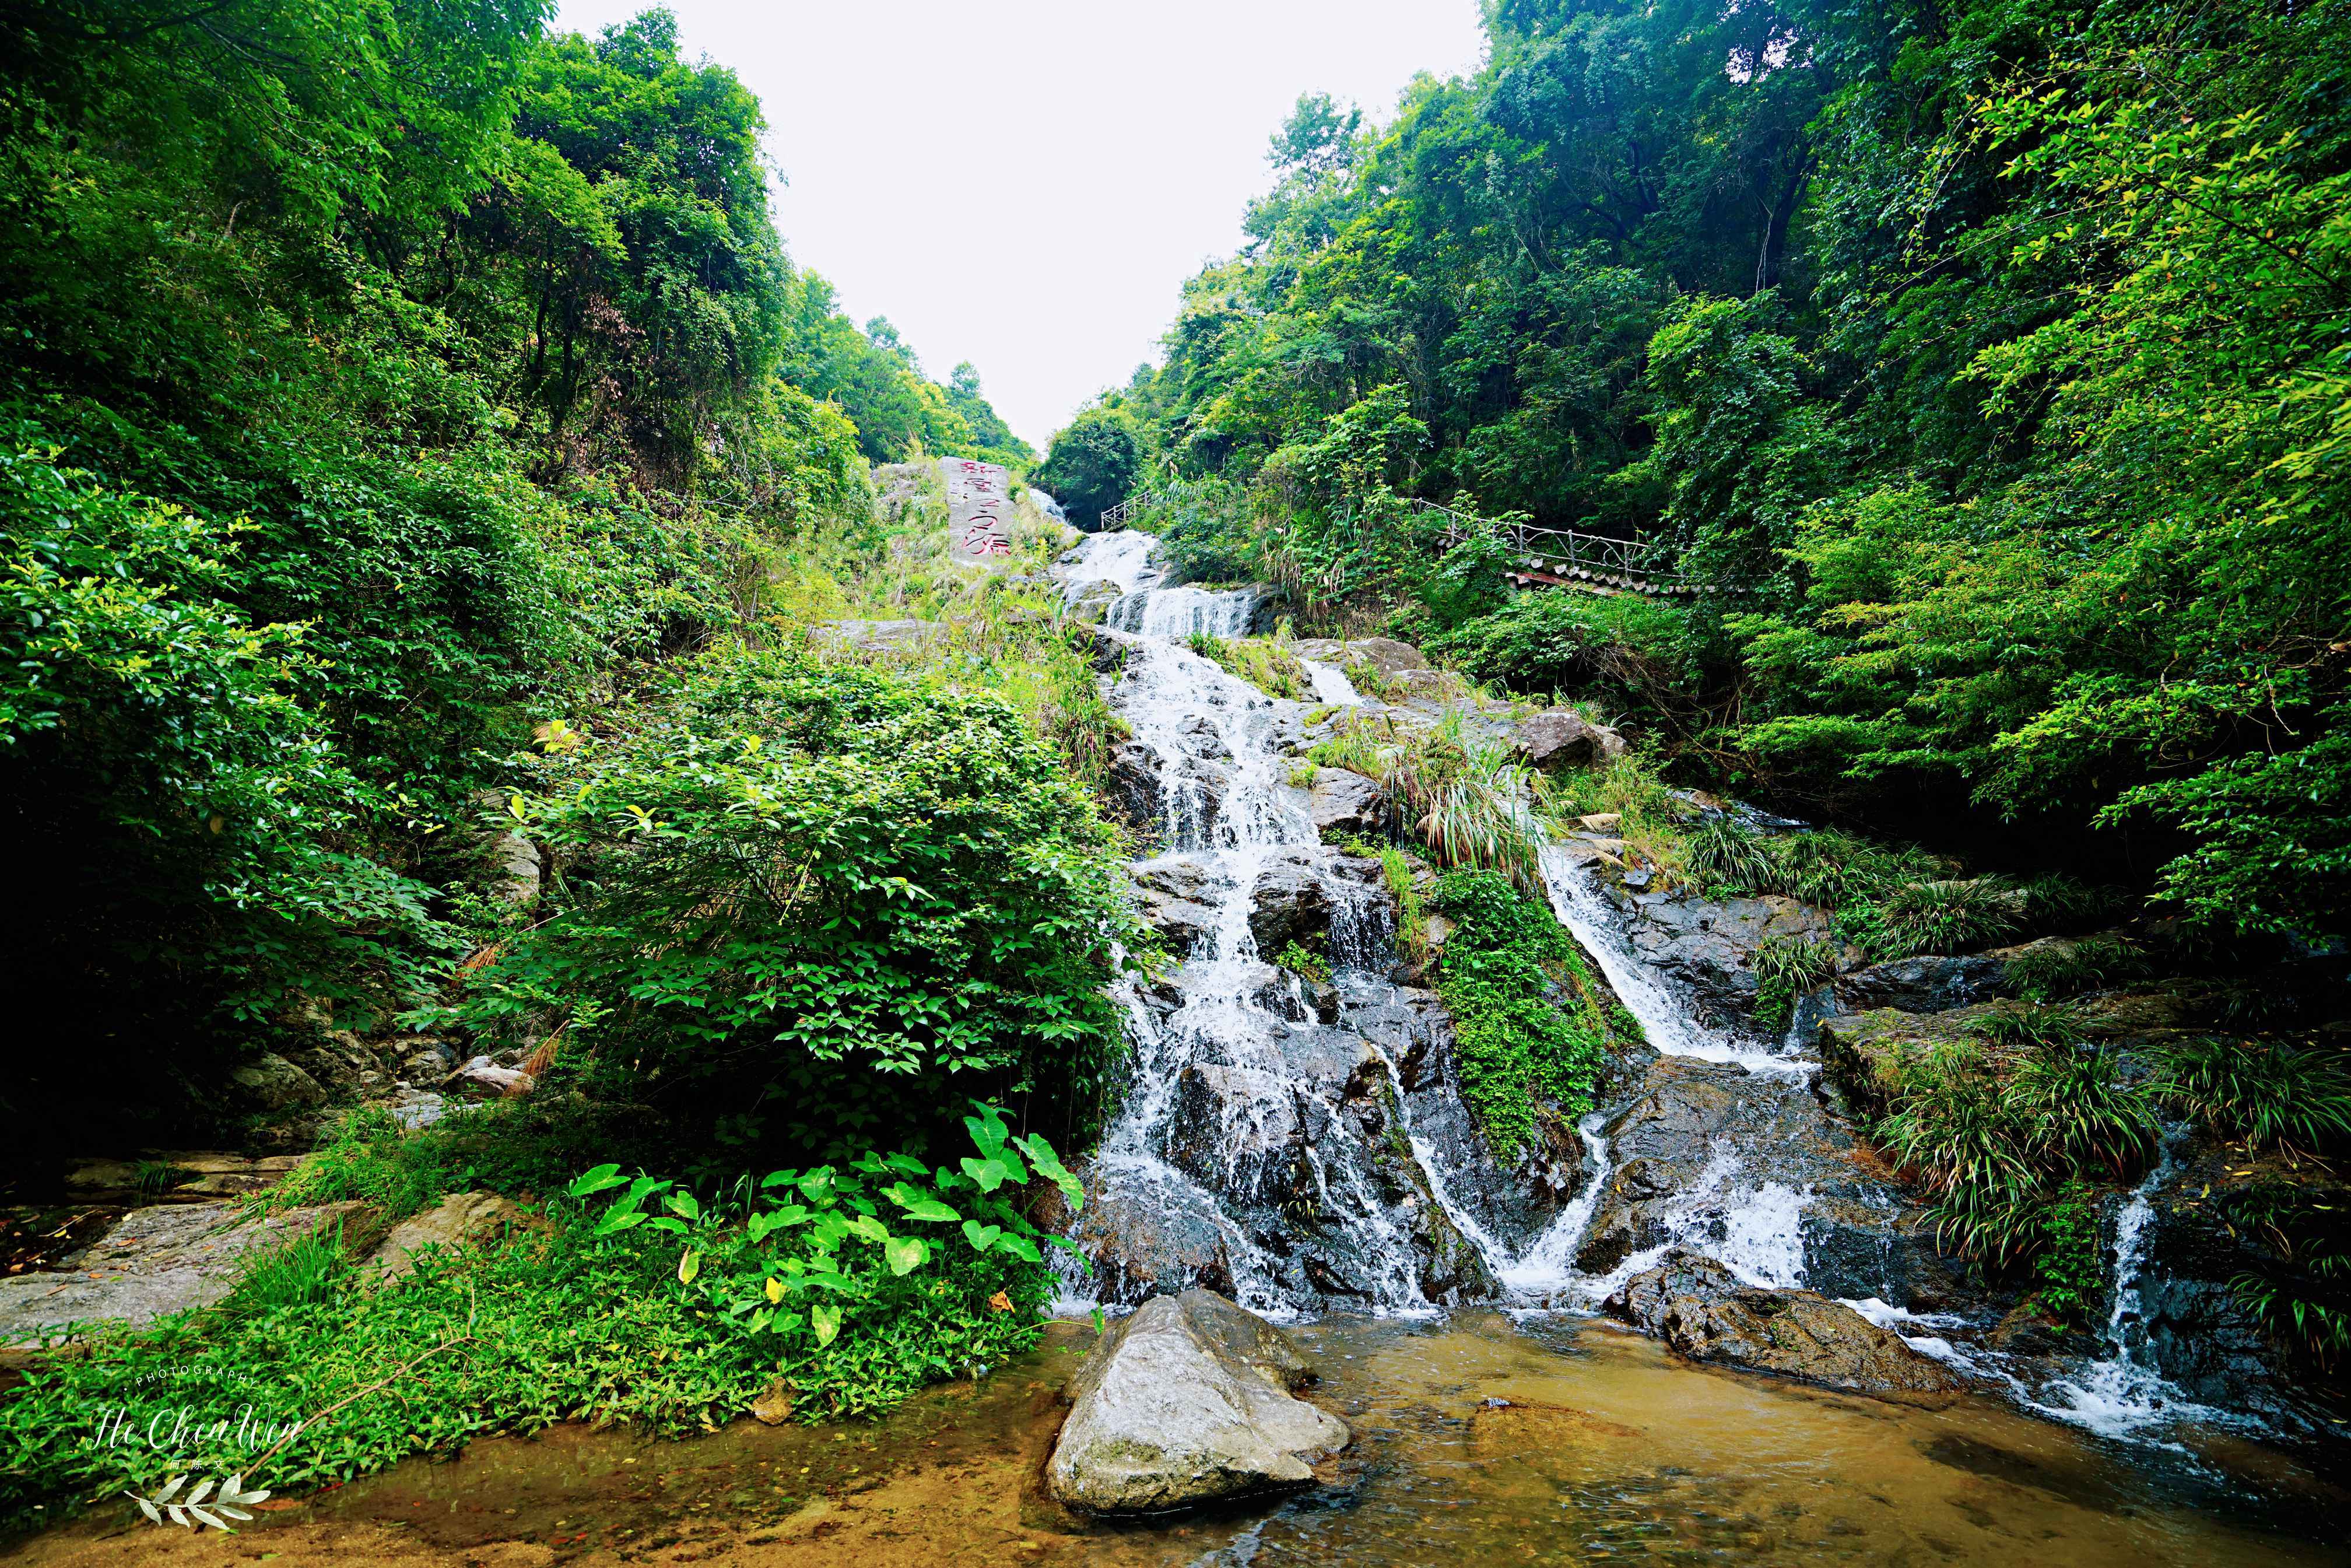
x: 2277, y: 1095
x: 1466, y: 802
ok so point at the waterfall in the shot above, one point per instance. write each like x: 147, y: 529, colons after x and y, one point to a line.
x: 1237, y: 1117
x: 1180, y: 612
x: 2124, y: 1392
x: 1662, y: 1018
x: 1332, y: 686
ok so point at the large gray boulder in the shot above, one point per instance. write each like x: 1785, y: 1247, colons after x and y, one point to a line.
x: 274, y: 1085
x: 1340, y: 802
x: 1384, y: 655
x: 1704, y: 1311
x: 1561, y: 737
x: 1188, y: 1400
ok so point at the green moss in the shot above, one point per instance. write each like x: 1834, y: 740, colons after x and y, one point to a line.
x: 1531, y: 1028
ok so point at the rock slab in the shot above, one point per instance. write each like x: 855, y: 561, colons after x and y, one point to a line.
x: 160, y: 1260
x: 461, y: 1219
x: 1704, y: 1311
x: 1188, y: 1400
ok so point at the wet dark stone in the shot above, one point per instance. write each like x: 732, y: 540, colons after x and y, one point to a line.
x: 1703, y: 1311
x: 1924, y: 985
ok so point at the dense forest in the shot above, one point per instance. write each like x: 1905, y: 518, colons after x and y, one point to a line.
x: 1987, y: 360
x: 379, y: 381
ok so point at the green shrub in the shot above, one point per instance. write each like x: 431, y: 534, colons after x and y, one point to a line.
x: 1788, y: 968
x: 813, y: 900
x: 2271, y: 1095
x: 1306, y: 965
x: 1726, y: 853
x: 1524, y: 1058
x: 2072, y: 1273
x: 368, y: 1158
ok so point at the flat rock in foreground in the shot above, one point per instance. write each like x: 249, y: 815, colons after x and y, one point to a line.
x: 1184, y: 1401
x: 160, y: 1260
x: 1704, y: 1311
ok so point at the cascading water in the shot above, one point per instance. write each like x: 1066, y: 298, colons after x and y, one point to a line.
x: 1297, y: 1146
x: 2124, y: 1393
x: 1251, y: 1135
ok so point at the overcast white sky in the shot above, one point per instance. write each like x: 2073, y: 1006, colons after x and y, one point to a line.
x: 1024, y: 184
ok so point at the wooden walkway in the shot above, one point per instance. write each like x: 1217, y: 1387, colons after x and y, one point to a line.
x: 1539, y: 557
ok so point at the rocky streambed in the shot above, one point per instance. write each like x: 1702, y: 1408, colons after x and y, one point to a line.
x: 1303, y: 1147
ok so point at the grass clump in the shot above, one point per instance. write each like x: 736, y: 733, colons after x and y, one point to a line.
x: 1727, y: 853
x: 2271, y: 1095
x: 1997, y: 1142
x: 1788, y: 968
x: 2059, y: 969
x: 2299, y: 1287
x: 1264, y: 663
x: 1466, y: 802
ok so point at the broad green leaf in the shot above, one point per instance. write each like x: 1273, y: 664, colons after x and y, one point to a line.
x: 906, y: 1253
x: 602, y: 1178
x: 981, y: 1237
x: 618, y: 1220
x: 684, y: 1204
x: 826, y: 1317
x: 1021, y: 1246
x: 986, y: 1175
x: 688, y: 1267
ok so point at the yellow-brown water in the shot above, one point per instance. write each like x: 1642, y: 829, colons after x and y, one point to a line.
x: 1607, y: 1450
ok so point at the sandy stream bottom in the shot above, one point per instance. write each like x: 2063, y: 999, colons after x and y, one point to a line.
x: 1608, y: 1450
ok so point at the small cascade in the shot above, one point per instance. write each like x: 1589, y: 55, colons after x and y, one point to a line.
x: 1664, y: 1020
x: 1127, y: 561
x: 1332, y: 686
x: 1176, y: 613
x: 2124, y: 1393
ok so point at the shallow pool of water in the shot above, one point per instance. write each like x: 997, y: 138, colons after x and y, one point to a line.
x: 1479, y: 1440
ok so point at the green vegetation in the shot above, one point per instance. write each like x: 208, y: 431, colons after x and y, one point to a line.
x: 376, y: 385
x: 842, y: 1288
x: 2272, y: 1095
x: 1986, y: 360
x: 1305, y: 965
x: 2300, y: 1286
x: 1532, y: 1034
x: 2000, y: 1137
x: 1264, y: 663
x: 1788, y: 968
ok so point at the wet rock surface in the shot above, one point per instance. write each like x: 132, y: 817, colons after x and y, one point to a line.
x: 1708, y: 948
x: 1754, y: 1161
x: 1188, y: 1400
x: 1340, y: 802
x: 1924, y: 985
x: 1702, y: 1310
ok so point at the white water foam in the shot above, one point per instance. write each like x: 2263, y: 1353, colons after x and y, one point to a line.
x: 1332, y: 686
x: 1662, y: 1019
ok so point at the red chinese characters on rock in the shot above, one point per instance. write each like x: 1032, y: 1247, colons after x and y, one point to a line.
x: 979, y: 510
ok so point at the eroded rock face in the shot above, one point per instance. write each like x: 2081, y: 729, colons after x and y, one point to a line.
x: 1386, y: 655
x: 164, y: 1260
x: 1703, y: 1311
x: 1344, y: 802
x: 1925, y: 985
x: 1709, y: 948
x: 1705, y: 1147
x: 1561, y: 737
x: 461, y: 1219
x: 1188, y: 1400
x: 274, y: 1083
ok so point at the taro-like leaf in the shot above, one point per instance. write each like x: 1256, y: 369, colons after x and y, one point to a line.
x: 1021, y: 1246
x: 688, y: 1267
x: 981, y: 1237
x: 598, y: 1180
x: 986, y: 1175
x: 906, y: 1253
x: 826, y: 1317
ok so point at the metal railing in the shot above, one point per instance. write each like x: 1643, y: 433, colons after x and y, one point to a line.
x: 1553, y: 553
x: 1570, y: 553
